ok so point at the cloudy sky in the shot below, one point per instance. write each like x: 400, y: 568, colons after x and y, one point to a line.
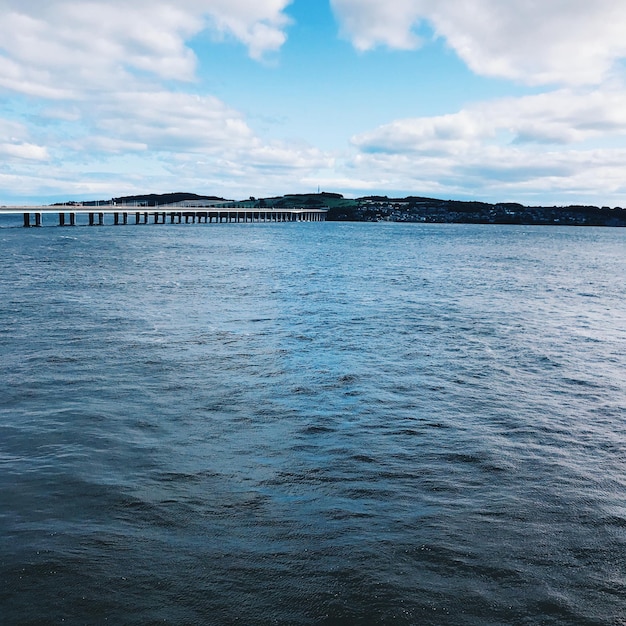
x: 523, y: 100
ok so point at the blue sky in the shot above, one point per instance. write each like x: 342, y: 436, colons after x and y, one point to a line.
x: 476, y: 99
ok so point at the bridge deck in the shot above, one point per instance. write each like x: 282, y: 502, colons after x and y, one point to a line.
x: 127, y: 214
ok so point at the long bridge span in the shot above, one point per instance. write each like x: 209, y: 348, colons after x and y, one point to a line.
x: 116, y: 214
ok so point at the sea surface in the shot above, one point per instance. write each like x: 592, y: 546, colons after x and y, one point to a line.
x: 312, y: 423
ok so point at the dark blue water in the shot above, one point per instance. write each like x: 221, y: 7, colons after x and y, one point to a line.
x: 313, y: 424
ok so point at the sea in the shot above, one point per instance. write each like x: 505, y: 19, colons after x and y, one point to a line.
x: 312, y: 423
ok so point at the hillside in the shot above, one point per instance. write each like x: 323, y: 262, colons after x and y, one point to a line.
x: 409, y: 209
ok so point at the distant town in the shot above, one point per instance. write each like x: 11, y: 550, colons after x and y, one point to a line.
x: 407, y: 209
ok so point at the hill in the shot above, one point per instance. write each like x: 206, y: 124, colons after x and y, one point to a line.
x: 153, y: 199
x: 408, y: 209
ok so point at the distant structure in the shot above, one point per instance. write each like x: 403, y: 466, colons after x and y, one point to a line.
x: 188, y: 211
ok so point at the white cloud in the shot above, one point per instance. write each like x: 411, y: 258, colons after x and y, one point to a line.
x: 259, y: 25
x: 27, y: 151
x: 96, y: 76
x: 259, y: 168
x: 370, y: 22
x: 192, y: 142
x: 535, y: 41
x: 167, y: 121
x: 559, y: 117
x: 60, y: 48
x: 89, y: 85
x: 564, y: 141
x: 15, y: 142
x: 498, y: 173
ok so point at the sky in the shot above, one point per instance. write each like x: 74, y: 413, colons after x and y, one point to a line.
x: 516, y: 101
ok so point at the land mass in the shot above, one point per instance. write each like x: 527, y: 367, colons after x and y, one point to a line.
x: 407, y: 209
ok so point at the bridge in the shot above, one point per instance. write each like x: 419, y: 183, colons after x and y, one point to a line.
x: 119, y: 214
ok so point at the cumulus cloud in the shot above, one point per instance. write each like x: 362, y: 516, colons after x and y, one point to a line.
x: 99, y: 74
x: 259, y: 25
x: 370, y: 22
x: 563, y: 141
x: 535, y: 41
x: 27, y: 151
x: 168, y: 121
x: 560, y: 117
x: 106, y: 94
x: 15, y: 142
x: 261, y: 169
x: 60, y: 48
x: 181, y: 140
x: 498, y: 173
